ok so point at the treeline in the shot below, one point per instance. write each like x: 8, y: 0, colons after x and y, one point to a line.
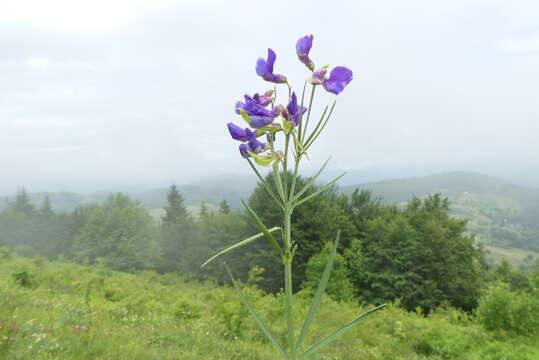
x: 417, y: 254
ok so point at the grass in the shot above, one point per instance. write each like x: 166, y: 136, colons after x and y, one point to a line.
x: 514, y: 256
x: 71, y: 311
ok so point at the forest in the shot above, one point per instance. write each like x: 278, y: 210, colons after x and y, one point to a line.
x: 76, y: 285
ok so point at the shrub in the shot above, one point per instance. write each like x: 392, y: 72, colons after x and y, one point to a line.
x: 23, y: 278
x: 340, y: 287
x: 501, y: 309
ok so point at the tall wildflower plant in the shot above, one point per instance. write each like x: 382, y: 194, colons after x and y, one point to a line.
x: 267, y: 122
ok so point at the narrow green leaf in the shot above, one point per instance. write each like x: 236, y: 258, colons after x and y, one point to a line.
x: 265, y: 184
x: 308, y: 112
x: 278, y: 182
x: 339, y: 332
x: 319, y: 292
x: 321, y: 121
x: 314, y: 134
x: 238, y: 245
x: 311, y: 181
x: 258, y: 320
x: 263, y: 229
x: 301, y: 112
x: 321, y: 189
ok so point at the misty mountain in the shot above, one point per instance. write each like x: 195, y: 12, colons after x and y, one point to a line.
x: 209, y: 190
x: 499, y: 212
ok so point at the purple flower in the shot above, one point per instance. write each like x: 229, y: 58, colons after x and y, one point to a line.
x: 264, y: 68
x: 246, y: 136
x: 319, y: 76
x: 254, y: 145
x: 262, y: 99
x: 303, y: 46
x: 237, y: 132
x: 340, y: 77
x: 294, y: 109
x: 244, y: 151
x: 260, y: 116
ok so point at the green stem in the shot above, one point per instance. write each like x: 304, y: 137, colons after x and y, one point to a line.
x: 288, y: 281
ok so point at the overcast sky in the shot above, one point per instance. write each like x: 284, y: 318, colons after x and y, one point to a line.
x: 104, y: 93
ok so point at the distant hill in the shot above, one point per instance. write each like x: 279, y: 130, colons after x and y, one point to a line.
x: 499, y: 212
x: 211, y: 191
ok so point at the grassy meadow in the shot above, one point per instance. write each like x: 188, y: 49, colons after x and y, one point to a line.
x: 60, y: 310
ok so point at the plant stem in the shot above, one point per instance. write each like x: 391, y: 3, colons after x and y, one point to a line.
x: 288, y: 281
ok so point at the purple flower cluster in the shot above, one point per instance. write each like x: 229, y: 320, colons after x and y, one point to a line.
x: 255, y: 109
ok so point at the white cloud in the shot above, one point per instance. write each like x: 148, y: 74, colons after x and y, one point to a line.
x: 150, y: 85
x: 521, y: 44
x: 82, y: 15
x: 37, y: 62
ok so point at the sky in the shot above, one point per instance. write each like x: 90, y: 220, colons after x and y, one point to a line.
x: 128, y: 93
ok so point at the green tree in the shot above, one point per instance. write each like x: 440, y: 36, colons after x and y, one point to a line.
x: 340, y: 288
x: 419, y: 254
x: 362, y: 207
x: 216, y: 232
x: 224, y: 207
x: 18, y: 231
x: 121, y: 233
x: 203, y: 212
x: 313, y: 224
x: 178, y: 232
x: 516, y: 279
x: 382, y: 263
x: 503, y: 310
x: 175, y: 211
x: 23, y: 204
x: 46, y: 210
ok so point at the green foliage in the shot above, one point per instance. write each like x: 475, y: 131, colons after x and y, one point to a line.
x: 224, y: 207
x: 121, y: 233
x: 419, y: 254
x: 310, y: 228
x: 23, y: 278
x: 340, y: 288
x: 185, y: 310
x: 506, y: 311
x: 178, y: 231
x: 517, y: 280
x: 5, y: 253
x: 164, y: 317
x: 216, y: 232
x: 22, y: 204
x: 499, y: 212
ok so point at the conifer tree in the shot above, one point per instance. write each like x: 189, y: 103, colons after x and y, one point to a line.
x: 177, y: 231
x: 175, y: 210
x: 22, y: 203
x: 46, y: 208
x: 224, y: 207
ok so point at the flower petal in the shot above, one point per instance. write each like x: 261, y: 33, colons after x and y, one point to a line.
x: 261, y: 67
x: 340, y: 77
x: 271, y: 60
x: 303, y: 46
x: 244, y: 150
x: 237, y: 132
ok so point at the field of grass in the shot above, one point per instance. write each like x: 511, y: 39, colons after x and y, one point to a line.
x: 55, y: 310
x: 514, y: 256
